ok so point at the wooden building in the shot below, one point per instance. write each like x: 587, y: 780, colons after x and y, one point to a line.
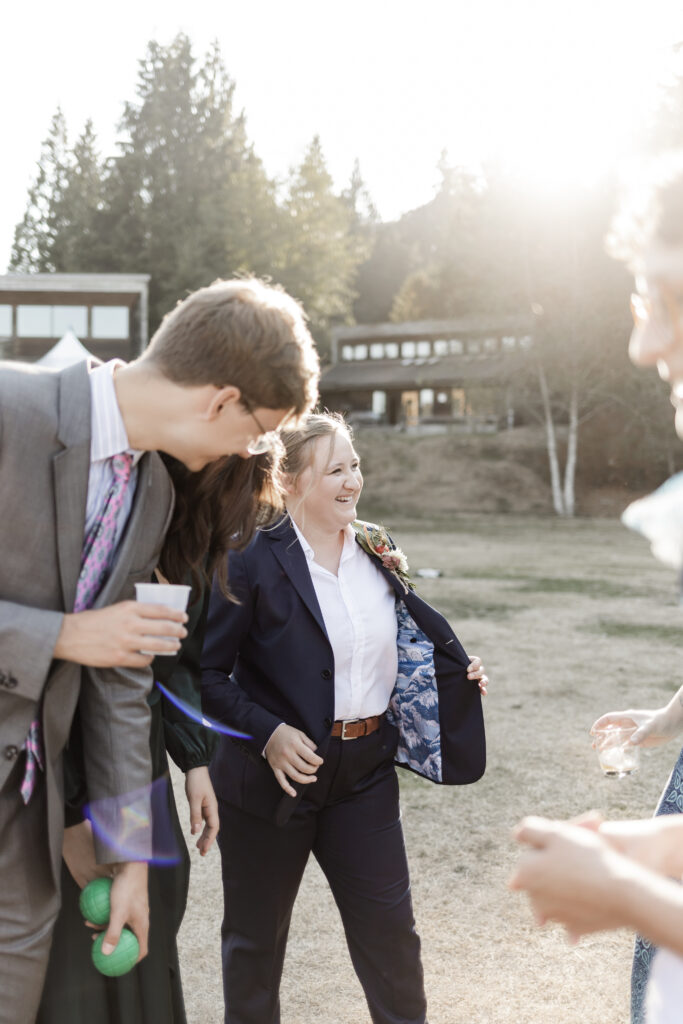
x: 431, y: 371
x: 107, y: 312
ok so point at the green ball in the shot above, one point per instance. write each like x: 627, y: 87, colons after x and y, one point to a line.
x: 95, y: 901
x: 121, y: 959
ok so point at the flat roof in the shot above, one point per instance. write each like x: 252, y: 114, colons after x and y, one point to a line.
x: 479, y: 323
x: 83, y: 283
x: 447, y: 371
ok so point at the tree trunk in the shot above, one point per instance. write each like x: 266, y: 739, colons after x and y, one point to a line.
x: 551, y: 444
x: 572, y: 448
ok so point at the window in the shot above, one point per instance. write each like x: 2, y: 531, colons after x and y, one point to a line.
x: 391, y: 350
x: 490, y: 344
x: 457, y: 346
x: 376, y: 350
x: 34, y: 321
x: 347, y: 351
x: 110, y: 322
x: 426, y: 401
x: 70, y: 318
x: 424, y: 349
x: 408, y: 349
x: 526, y: 342
x: 509, y: 342
x: 6, y: 321
x: 360, y: 352
x: 379, y: 402
x: 440, y: 347
x: 473, y: 347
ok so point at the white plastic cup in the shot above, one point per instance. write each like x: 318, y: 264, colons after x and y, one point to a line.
x: 174, y: 595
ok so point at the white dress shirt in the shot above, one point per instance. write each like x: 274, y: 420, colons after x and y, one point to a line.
x: 108, y: 438
x: 359, y: 610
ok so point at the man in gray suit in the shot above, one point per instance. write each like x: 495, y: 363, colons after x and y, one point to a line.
x: 231, y: 362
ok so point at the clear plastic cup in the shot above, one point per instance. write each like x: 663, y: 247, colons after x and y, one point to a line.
x: 175, y: 595
x: 616, y: 755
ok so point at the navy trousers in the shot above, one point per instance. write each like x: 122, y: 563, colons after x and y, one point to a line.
x: 350, y: 820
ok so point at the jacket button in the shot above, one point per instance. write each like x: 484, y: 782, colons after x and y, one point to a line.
x: 11, y: 752
x: 328, y: 723
x: 326, y: 673
x: 11, y: 682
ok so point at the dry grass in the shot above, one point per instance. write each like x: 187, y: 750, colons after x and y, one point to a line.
x: 572, y: 619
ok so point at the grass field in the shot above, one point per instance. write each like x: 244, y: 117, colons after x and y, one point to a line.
x: 572, y: 619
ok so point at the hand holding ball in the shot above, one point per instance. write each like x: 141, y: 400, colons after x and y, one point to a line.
x: 95, y: 906
x: 121, y: 959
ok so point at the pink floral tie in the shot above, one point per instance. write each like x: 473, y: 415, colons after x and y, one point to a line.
x: 96, y: 558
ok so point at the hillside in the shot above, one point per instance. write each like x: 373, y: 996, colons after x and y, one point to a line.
x: 450, y: 473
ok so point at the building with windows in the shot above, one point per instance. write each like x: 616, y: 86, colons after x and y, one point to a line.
x: 431, y: 371
x: 107, y: 312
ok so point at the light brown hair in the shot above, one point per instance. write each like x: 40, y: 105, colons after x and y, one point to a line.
x: 299, y: 441
x: 242, y: 332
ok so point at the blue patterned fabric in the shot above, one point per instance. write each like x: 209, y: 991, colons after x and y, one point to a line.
x: 670, y: 802
x: 414, y: 704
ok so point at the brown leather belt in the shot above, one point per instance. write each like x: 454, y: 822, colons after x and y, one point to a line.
x: 352, y: 728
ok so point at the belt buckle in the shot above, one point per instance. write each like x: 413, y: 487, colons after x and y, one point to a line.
x: 348, y: 721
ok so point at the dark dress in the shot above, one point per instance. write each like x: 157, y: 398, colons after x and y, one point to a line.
x: 74, y: 992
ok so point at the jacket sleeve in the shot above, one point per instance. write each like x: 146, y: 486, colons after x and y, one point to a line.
x: 227, y: 629
x: 188, y: 742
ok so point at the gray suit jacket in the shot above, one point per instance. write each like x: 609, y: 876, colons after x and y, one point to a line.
x: 44, y: 467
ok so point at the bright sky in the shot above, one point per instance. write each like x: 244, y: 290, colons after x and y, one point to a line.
x: 559, y: 89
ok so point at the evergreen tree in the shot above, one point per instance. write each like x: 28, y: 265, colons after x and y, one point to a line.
x: 321, y: 245
x: 35, y: 235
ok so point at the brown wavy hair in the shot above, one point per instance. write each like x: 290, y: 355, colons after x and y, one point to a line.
x: 218, y: 510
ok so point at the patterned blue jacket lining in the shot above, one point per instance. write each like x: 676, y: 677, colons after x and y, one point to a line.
x: 414, y: 704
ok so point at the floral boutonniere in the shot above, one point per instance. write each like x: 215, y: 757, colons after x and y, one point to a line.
x: 376, y: 541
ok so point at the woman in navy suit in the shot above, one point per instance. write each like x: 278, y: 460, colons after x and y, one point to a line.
x: 335, y: 670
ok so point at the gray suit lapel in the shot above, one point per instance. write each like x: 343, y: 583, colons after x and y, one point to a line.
x: 71, y: 468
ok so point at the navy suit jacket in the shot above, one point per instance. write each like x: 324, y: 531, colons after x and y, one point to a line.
x: 268, y: 659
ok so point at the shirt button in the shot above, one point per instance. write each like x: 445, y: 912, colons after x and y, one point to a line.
x: 11, y: 752
x: 326, y: 673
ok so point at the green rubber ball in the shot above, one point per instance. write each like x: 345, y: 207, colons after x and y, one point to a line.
x: 95, y: 901
x: 121, y: 959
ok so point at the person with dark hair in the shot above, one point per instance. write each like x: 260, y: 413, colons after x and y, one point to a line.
x: 217, y: 509
x: 612, y: 874
x: 336, y: 670
x: 85, y: 502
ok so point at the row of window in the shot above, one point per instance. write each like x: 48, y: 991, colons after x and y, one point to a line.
x: 426, y: 349
x: 55, y: 321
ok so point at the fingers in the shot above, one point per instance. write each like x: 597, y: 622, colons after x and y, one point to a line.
x: 619, y: 718
x: 592, y: 820
x: 211, y: 827
x: 534, y: 832
x: 282, y: 779
x: 158, y: 611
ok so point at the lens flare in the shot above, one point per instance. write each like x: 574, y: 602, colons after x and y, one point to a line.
x: 137, y: 825
x: 197, y: 716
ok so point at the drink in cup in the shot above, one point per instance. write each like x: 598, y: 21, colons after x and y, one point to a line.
x: 175, y: 595
x: 616, y: 755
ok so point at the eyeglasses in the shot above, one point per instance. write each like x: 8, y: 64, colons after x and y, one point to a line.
x: 663, y: 308
x: 264, y: 442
